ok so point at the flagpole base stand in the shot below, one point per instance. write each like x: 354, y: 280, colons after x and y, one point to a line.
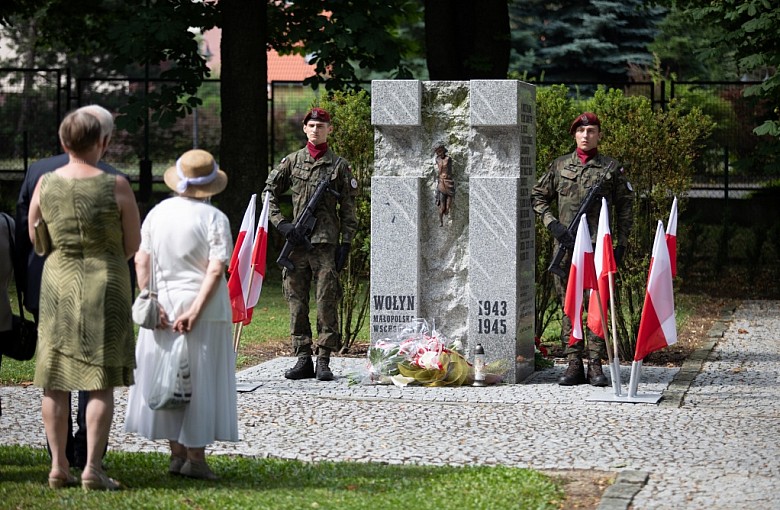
x: 639, y: 398
x: 247, y: 387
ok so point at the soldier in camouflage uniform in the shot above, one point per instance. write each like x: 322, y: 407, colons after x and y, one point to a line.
x: 567, y: 181
x: 336, y: 223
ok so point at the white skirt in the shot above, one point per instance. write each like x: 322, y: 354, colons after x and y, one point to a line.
x: 211, y: 415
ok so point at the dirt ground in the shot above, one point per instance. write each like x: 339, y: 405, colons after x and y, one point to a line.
x: 583, y: 488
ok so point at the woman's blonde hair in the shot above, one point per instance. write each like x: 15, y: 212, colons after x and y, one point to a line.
x: 80, y: 131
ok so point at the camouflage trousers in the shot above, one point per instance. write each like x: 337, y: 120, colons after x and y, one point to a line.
x: 319, y: 266
x: 597, y: 347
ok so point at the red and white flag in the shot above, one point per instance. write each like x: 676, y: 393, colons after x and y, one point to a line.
x: 241, y: 264
x: 657, y: 327
x: 258, y: 260
x: 671, y: 237
x: 582, y: 275
x: 604, y: 260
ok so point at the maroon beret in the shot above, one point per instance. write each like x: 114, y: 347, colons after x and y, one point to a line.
x: 317, y: 114
x: 586, y: 119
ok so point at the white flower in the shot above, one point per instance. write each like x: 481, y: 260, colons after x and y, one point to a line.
x: 430, y: 361
x: 401, y: 381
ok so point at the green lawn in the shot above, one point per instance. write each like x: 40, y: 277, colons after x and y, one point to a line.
x: 278, y: 484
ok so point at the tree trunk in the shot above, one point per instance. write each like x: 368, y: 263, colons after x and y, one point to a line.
x: 244, y: 145
x: 467, y: 39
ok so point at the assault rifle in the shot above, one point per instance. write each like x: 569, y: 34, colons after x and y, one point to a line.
x: 305, y: 225
x: 555, y: 266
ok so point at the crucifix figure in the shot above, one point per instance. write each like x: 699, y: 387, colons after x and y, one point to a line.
x: 445, y: 188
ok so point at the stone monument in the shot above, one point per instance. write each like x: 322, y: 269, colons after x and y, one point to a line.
x: 471, y: 271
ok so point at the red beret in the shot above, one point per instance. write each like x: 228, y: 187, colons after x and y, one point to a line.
x: 586, y: 119
x: 317, y: 114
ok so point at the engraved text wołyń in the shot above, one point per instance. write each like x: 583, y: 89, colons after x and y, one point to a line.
x: 392, y: 311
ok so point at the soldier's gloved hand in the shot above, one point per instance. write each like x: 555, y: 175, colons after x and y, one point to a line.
x: 562, y: 234
x: 287, y: 229
x: 342, y: 253
x: 620, y: 252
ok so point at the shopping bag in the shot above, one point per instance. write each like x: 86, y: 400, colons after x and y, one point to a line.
x: 171, y: 386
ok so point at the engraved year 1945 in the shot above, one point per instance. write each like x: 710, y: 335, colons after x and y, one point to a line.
x: 489, y: 320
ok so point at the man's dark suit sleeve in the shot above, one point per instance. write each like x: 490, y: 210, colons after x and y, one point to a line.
x: 25, y: 257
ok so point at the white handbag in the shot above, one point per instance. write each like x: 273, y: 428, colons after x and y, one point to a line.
x: 146, y: 308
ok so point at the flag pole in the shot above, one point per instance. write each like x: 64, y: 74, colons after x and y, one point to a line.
x: 616, y: 358
x: 603, y: 317
x: 240, y: 325
x: 603, y: 322
x: 237, y: 328
x: 636, y: 370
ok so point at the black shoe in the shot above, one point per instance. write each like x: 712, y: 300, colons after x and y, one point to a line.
x: 574, y: 374
x: 303, y: 369
x: 323, y: 369
x: 596, y: 376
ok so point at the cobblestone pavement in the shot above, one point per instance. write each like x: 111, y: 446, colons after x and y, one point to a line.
x: 711, y: 443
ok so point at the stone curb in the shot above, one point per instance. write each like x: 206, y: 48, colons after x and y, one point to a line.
x: 619, y: 495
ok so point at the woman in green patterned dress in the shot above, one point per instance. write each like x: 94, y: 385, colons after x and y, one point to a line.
x: 85, y: 333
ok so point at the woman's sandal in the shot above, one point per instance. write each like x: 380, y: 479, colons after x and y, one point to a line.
x: 101, y: 483
x: 198, y: 469
x: 57, y: 482
x: 174, y: 467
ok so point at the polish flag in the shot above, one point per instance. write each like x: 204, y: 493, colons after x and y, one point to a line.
x: 241, y: 264
x: 604, y: 260
x: 582, y: 275
x: 258, y: 260
x: 671, y: 237
x: 657, y: 327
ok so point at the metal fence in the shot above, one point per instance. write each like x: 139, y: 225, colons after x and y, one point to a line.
x: 287, y: 104
x: 31, y: 105
x: 33, y: 101
x: 736, y: 162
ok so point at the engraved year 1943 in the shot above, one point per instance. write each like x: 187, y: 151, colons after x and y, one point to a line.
x: 489, y: 317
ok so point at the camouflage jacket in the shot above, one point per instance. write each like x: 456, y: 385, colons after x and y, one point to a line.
x: 300, y: 173
x: 568, y: 181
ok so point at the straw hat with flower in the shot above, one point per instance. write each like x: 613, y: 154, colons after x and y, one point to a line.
x: 196, y: 174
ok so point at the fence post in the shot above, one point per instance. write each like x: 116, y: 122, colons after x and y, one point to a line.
x: 663, y: 95
x: 272, y: 130
x: 25, y: 150
x: 726, y: 177
x: 722, y: 257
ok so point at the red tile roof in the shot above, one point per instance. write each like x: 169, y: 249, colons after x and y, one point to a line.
x: 288, y: 67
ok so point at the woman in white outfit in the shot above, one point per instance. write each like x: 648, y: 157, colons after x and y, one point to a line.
x: 191, y: 245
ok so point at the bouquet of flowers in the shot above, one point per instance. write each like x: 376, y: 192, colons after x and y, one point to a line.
x: 418, y: 355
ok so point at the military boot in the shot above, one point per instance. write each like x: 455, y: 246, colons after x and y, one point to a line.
x: 596, y: 376
x: 303, y: 369
x: 323, y: 368
x: 574, y: 374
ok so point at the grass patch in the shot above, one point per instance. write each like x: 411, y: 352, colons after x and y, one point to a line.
x: 279, y: 484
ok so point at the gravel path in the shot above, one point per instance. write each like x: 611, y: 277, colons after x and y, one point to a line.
x: 711, y: 443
